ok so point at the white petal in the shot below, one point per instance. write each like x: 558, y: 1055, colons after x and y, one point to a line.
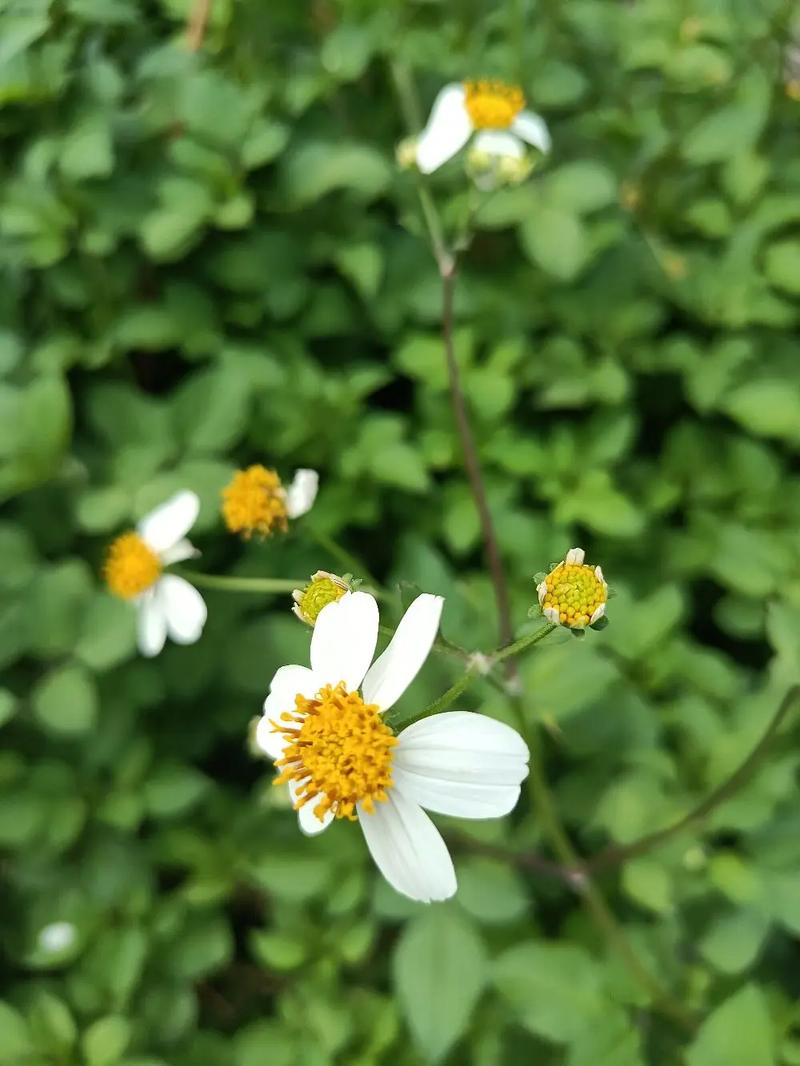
x: 179, y: 552
x: 289, y: 682
x: 151, y: 625
x: 533, y: 129
x: 184, y: 608
x: 302, y: 492
x: 597, y: 614
x: 394, y: 670
x: 268, y: 739
x: 344, y: 640
x: 552, y: 615
x: 462, y: 764
x: 308, y: 821
x: 448, y: 129
x: 408, y: 849
x: 499, y: 143
x: 169, y: 523
x: 541, y: 591
x: 575, y: 555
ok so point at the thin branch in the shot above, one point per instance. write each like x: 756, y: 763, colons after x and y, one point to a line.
x: 619, y: 853
x: 196, y: 25
x: 472, y: 462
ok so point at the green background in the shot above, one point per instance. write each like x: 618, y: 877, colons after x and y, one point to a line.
x: 210, y: 260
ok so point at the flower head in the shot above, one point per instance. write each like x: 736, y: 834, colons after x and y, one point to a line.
x: 322, y: 589
x: 133, y: 570
x: 573, y: 594
x: 482, y: 107
x: 340, y: 759
x: 255, y: 500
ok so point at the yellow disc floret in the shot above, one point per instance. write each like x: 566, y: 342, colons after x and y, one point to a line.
x: 131, y: 566
x: 492, y: 105
x: 255, y: 502
x: 338, y: 751
x: 576, y: 591
x: 322, y: 589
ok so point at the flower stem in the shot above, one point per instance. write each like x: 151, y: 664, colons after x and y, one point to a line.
x: 473, y: 672
x: 346, y: 559
x: 619, y: 853
x: 472, y: 462
x: 243, y: 584
x: 592, y: 897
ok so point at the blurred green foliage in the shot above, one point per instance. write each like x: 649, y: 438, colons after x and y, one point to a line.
x: 208, y: 260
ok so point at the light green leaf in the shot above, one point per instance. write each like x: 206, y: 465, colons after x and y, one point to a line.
x: 105, y: 1041
x: 737, y: 1033
x: 555, y: 240
x: 555, y: 989
x: 66, y: 700
x: 439, y: 970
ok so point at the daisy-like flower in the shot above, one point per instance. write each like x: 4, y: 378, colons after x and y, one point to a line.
x: 573, y: 594
x: 322, y: 589
x: 492, y: 110
x: 166, y: 604
x: 256, y: 501
x: 340, y: 759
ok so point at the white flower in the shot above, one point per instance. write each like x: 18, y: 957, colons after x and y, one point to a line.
x: 166, y: 604
x: 255, y: 500
x: 461, y: 109
x: 340, y: 759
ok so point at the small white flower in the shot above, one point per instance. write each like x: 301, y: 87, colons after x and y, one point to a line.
x: 256, y: 502
x: 462, y: 109
x: 166, y: 604
x: 56, y: 937
x: 340, y: 759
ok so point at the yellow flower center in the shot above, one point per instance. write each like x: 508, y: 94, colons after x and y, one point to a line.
x: 255, y: 502
x: 338, y: 750
x: 131, y: 566
x: 493, y: 105
x: 575, y: 590
x: 322, y: 589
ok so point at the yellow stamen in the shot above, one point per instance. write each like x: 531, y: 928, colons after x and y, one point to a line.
x: 576, y: 592
x: 493, y: 105
x: 255, y: 502
x: 131, y: 566
x: 338, y: 750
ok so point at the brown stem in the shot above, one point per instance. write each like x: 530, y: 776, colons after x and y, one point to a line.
x: 619, y: 853
x: 447, y: 269
x: 196, y: 25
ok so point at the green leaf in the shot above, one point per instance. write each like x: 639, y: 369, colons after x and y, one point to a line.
x: 554, y: 989
x: 737, y: 1033
x: 439, y: 970
x: 87, y: 150
x: 65, y: 702
x: 105, y: 1041
x: 491, y: 891
x: 174, y: 789
x: 15, y: 1040
x: 315, y: 169
x: 555, y: 239
x: 767, y: 408
x: 582, y: 186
